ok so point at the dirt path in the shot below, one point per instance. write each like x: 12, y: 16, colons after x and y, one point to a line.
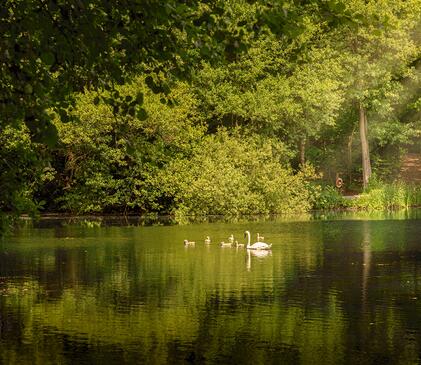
x: 411, y: 168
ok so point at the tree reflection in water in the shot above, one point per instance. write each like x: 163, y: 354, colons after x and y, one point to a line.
x: 329, y: 292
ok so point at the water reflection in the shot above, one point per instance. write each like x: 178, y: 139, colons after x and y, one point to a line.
x: 329, y: 292
x: 256, y: 253
x: 366, y: 248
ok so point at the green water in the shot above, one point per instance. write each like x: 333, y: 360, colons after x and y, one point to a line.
x: 342, y: 290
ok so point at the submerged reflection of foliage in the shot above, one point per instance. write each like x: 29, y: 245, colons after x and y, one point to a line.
x: 300, y: 297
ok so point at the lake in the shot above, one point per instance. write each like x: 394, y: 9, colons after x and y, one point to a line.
x: 340, y: 289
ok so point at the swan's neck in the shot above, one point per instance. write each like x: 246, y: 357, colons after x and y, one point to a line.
x: 248, y: 238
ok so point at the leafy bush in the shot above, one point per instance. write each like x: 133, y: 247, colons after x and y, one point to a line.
x: 167, y: 164
x: 329, y: 198
x: 230, y: 174
x: 22, y: 171
x: 110, y: 162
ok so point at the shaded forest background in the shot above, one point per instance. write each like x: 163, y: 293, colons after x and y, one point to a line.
x: 194, y: 108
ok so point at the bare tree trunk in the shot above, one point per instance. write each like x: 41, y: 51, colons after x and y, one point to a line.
x: 302, y: 151
x: 349, y: 162
x: 364, y: 147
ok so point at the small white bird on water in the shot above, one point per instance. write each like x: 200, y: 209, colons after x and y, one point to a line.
x: 207, y: 240
x: 189, y: 243
x: 229, y: 243
x: 225, y: 244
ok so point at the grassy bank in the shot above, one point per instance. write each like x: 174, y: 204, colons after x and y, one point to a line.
x: 382, y: 196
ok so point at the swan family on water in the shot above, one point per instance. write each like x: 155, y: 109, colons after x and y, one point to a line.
x: 259, y: 245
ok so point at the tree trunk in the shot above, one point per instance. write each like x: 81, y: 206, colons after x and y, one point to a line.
x: 349, y: 162
x: 364, y: 147
x: 302, y: 151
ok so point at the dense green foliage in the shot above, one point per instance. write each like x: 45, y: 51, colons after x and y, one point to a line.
x: 168, y: 163
x: 22, y: 173
x: 221, y: 107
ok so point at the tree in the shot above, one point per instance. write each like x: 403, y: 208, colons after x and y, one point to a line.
x: 268, y: 91
x: 376, y: 56
x: 51, y: 50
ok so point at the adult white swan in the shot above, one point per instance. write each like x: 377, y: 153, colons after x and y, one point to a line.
x: 256, y: 245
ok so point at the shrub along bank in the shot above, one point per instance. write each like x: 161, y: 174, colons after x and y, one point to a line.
x: 171, y: 164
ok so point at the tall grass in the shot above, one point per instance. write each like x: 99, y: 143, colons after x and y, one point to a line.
x: 389, y: 196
